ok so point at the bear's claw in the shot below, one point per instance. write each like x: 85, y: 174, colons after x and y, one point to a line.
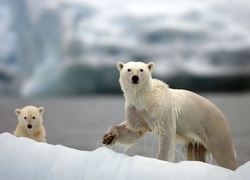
x: 108, y: 138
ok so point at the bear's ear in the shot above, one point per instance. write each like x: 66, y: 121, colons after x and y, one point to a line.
x: 41, y: 110
x: 120, y: 65
x: 151, y: 66
x: 18, y: 112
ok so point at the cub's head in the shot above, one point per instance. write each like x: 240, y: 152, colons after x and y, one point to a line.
x: 30, y: 116
x: 134, y: 73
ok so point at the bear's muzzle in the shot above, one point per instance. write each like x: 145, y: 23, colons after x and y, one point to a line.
x: 29, y: 126
x: 135, y: 79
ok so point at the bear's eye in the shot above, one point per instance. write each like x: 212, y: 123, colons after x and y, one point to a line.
x: 129, y: 70
x: 141, y: 70
x: 25, y: 117
x: 33, y: 117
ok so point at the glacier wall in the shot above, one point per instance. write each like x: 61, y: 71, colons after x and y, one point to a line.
x: 71, y: 47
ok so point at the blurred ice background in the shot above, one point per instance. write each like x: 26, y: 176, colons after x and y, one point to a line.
x: 68, y: 47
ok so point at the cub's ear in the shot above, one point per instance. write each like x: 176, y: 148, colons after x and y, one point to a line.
x: 18, y: 112
x: 151, y: 66
x: 120, y: 65
x: 41, y: 110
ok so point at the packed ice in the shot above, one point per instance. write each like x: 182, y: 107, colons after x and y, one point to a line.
x: 23, y: 158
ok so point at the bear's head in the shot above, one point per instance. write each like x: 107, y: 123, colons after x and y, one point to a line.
x: 30, y: 116
x: 134, y: 74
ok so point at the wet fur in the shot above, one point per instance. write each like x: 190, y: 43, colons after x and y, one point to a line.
x: 173, y: 115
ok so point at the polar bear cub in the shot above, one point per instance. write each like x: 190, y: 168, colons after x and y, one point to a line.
x: 171, y: 114
x: 30, y: 123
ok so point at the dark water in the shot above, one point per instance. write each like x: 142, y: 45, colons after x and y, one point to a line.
x: 80, y: 122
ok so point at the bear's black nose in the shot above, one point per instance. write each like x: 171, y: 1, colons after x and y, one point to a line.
x: 29, y: 126
x: 135, y: 79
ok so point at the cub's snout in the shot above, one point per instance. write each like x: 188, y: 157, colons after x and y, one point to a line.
x: 29, y: 126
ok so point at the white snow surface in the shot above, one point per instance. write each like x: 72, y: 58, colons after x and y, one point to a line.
x: 23, y: 158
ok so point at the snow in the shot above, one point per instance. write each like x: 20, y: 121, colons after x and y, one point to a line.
x: 23, y: 158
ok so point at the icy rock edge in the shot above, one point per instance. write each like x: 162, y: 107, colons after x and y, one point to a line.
x: 24, y: 158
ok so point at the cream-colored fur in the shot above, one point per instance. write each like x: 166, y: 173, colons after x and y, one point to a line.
x: 30, y: 123
x: 151, y: 106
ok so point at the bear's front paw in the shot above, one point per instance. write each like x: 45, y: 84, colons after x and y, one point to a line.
x: 110, y: 137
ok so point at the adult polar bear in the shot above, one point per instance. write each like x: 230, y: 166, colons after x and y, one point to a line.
x: 151, y: 106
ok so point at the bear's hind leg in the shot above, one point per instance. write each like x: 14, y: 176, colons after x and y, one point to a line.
x: 220, y: 145
x: 224, y: 155
x: 196, y: 152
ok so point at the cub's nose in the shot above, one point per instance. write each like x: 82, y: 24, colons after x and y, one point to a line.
x: 29, y: 126
x: 135, y: 79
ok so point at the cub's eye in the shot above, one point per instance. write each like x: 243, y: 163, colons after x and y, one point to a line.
x: 129, y: 70
x: 33, y: 117
x: 25, y: 117
x: 141, y: 70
